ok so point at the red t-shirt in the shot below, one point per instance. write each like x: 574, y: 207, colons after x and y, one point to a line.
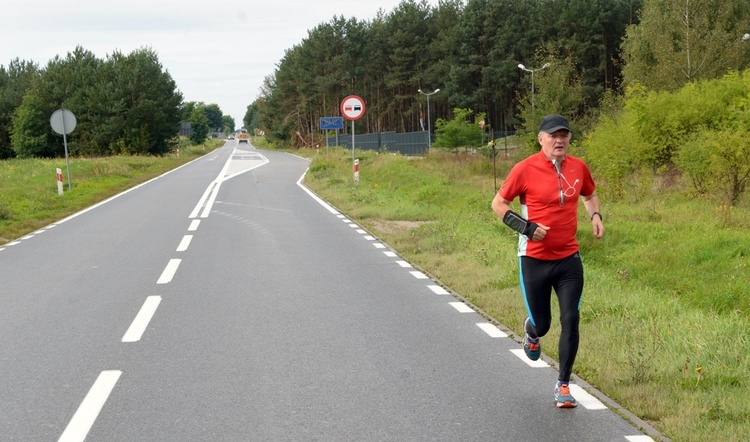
x: 535, y: 181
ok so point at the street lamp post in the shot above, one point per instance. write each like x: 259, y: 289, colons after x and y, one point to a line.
x: 429, y: 129
x: 524, y: 68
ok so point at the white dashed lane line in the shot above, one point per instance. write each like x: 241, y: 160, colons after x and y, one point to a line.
x: 438, y: 290
x: 185, y: 243
x: 142, y: 319
x: 585, y: 399
x: 169, y: 271
x: 461, y: 307
x: 491, y: 330
x: 92, y: 404
x: 522, y: 356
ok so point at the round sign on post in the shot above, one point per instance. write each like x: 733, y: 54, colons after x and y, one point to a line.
x: 63, y: 121
x: 352, y: 107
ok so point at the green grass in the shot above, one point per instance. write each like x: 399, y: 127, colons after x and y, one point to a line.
x: 665, y: 311
x: 29, y: 197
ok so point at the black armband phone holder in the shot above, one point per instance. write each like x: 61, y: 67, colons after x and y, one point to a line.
x: 520, y: 225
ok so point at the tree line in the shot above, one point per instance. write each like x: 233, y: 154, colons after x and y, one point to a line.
x: 470, y: 52
x: 124, y: 104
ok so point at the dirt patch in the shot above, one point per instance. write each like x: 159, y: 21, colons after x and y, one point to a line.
x: 382, y: 226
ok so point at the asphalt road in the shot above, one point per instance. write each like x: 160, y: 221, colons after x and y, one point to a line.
x: 223, y: 301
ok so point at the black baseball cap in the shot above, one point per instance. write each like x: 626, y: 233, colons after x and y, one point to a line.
x: 553, y: 123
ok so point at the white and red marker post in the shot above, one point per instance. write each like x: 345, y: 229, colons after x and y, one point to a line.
x: 59, y: 182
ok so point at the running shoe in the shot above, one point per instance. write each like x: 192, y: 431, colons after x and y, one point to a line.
x: 532, y: 347
x: 563, y: 398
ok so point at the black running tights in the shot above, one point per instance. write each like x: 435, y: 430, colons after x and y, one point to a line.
x: 538, y: 278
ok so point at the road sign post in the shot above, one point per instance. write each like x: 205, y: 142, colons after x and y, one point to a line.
x: 352, y: 108
x: 331, y: 123
x: 63, y: 122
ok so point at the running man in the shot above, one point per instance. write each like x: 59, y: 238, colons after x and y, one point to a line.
x: 548, y: 185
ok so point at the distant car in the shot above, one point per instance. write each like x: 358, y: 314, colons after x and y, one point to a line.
x: 231, y: 137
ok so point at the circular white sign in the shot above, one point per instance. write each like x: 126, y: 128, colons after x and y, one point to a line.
x: 63, y: 121
x: 352, y: 107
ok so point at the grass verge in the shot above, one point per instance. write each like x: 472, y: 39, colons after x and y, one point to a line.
x: 29, y: 197
x: 665, y: 311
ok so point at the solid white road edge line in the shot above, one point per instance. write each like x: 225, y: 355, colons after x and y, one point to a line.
x: 123, y: 193
x: 92, y: 404
x: 315, y: 197
x: 169, y: 271
x: 142, y: 319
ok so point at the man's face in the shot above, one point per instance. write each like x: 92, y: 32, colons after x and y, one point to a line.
x: 555, y: 145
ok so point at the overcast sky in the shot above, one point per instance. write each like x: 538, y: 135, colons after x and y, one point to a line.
x: 216, y: 51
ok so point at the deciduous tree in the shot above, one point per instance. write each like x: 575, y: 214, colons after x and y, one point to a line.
x: 677, y: 42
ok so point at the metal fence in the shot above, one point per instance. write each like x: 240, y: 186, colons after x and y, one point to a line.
x: 411, y: 143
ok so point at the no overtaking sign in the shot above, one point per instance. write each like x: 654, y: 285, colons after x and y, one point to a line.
x: 352, y: 107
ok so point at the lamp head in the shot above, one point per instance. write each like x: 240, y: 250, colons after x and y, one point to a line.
x: 521, y: 66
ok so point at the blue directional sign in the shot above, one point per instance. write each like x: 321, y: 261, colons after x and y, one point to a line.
x: 331, y: 123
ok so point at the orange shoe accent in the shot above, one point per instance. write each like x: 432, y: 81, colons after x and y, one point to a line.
x: 563, y: 398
